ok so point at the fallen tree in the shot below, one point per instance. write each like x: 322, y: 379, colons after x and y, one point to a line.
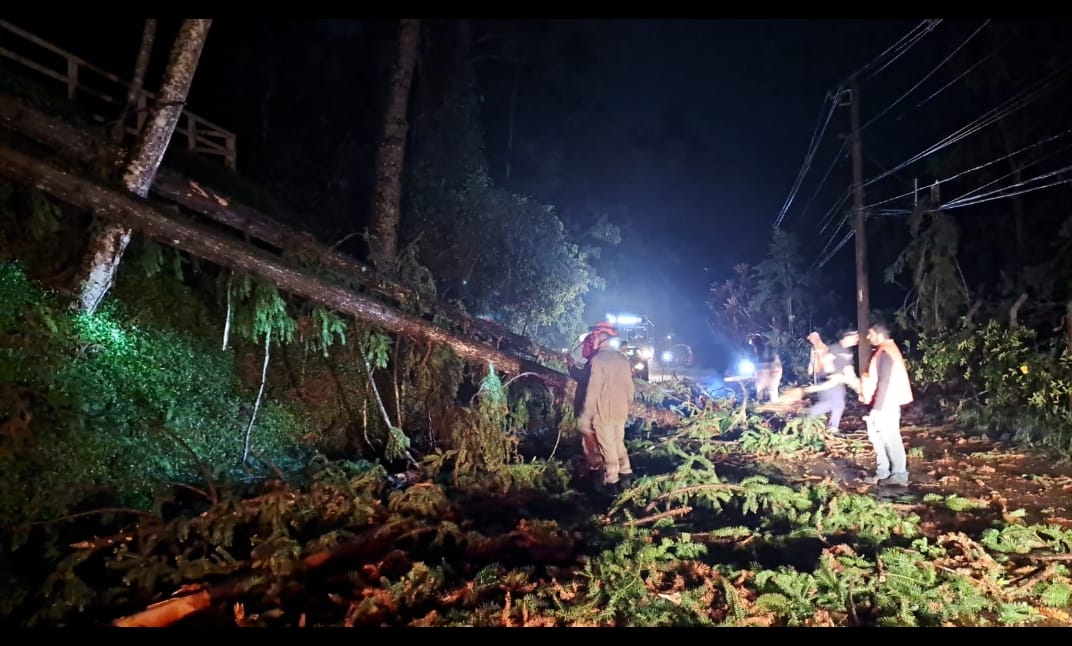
x: 203, y: 242
x: 87, y: 148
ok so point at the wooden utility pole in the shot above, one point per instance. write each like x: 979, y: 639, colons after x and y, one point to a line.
x: 863, y: 298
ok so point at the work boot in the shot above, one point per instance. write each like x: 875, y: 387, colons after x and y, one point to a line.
x: 611, y: 489
x: 589, y: 479
x: 896, y: 481
x: 625, y: 481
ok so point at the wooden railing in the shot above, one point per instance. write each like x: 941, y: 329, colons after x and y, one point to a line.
x: 85, y: 80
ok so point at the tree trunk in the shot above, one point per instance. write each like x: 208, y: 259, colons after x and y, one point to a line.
x: 173, y: 187
x: 148, y: 35
x: 390, y: 157
x: 133, y: 213
x: 1068, y: 340
x: 266, y: 105
x: 1014, y: 311
x: 513, y: 116
x: 108, y: 244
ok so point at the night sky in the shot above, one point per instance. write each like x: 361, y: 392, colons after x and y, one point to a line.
x: 688, y: 133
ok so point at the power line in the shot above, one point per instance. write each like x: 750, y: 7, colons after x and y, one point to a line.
x: 834, y: 234
x: 965, y: 200
x: 833, y: 162
x: 914, y: 33
x: 817, y: 135
x: 959, y: 76
x: 1020, y: 169
x: 826, y: 259
x: 877, y: 162
x: 1017, y: 102
x: 989, y: 118
x: 928, y: 27
x: 927, y: 76
x: 984, y: 165
x: 826, y: 219
x: 901, y: 46
x: 959, y: 203
x: 1028, y: 190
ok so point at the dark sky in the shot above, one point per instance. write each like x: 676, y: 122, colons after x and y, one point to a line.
x: 718, y: 115
x: 747, y: 93
x: 753, y: 89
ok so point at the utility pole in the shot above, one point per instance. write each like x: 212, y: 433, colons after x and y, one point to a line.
x: 863, y: 297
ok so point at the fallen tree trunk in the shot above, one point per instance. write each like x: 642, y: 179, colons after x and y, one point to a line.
x: 369, y: 548
x: 201, y: 241
x: 173, y: 186
x: 167, y: 612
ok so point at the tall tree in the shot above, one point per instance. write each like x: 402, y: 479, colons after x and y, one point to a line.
x: 938, y: 293
x: 782, y: 280
x: 1013, y: 68
x: 148, y: 36
x: 779, y: 297
x: 110, y: 240
x: 501, y: 254
x: 390, y: 157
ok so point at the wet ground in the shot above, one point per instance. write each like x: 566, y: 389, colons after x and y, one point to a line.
x: 943, y: 460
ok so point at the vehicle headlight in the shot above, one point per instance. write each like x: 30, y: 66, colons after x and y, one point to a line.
x: 638, y: 366
x: 647, y: 353
x: 746, y: 368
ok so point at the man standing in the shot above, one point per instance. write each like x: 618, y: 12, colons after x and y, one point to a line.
x: 606, y: 410
x: 837, y: 370
x: 580, y: 370
x: 819, y: 351
x: 768, y: 368
x: 885, y: 386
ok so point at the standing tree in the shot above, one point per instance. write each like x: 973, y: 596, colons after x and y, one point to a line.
x: 733, y: 304
x: 782, y: 280
x: 938, y: 286
x: 500, y: 254
x: 778, y: 298
x: 148, y: 35
x: 108, y: 243
x: 390, y: 157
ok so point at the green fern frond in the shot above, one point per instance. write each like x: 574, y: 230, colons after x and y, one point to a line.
x: 1056, y: 594
x: 1017, y: 614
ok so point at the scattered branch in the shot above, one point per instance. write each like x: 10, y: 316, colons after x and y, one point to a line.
x: 260, y: 392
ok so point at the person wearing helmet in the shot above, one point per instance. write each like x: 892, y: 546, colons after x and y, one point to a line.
x: 605, y: 410
x: 580, y: 368
x: 601, y: 329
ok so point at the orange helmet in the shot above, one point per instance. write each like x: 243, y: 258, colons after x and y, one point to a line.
x: 591, y: 341
x: 604, y: 327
